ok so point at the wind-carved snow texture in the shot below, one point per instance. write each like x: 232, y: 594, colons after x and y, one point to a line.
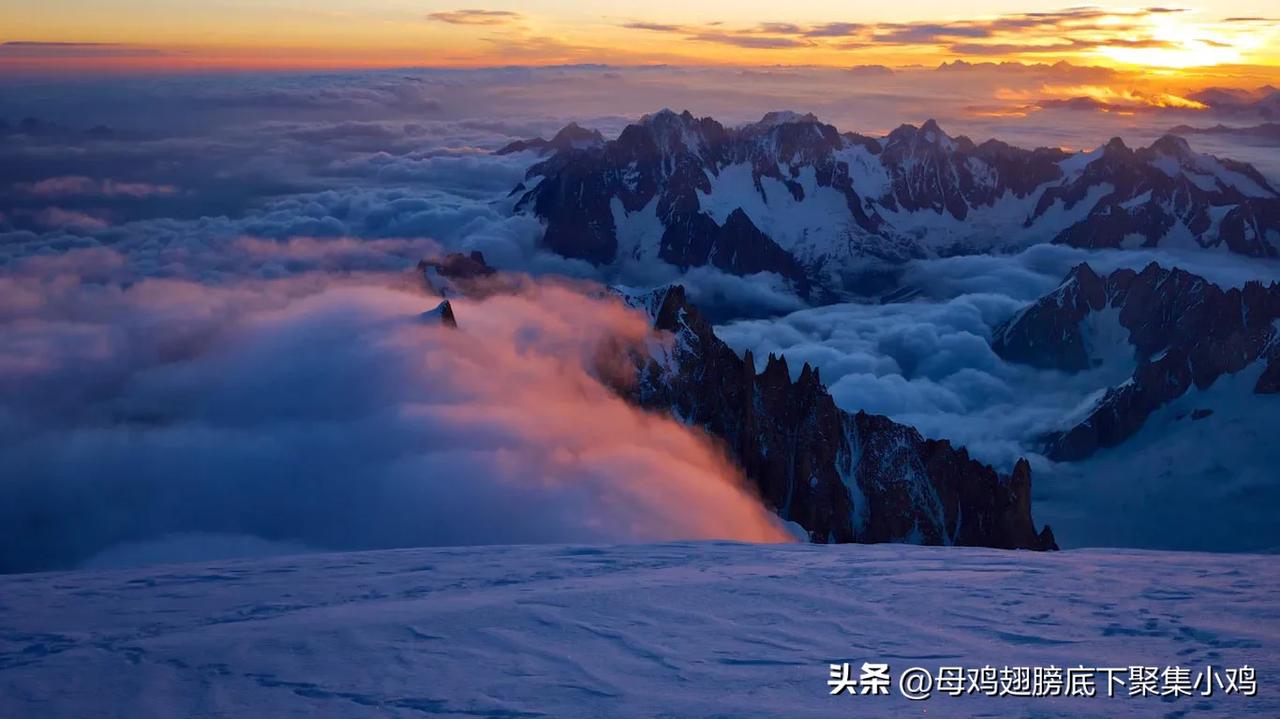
x: 687, y: 629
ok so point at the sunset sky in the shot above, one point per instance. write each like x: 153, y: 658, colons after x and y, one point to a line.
x: 151, y: 35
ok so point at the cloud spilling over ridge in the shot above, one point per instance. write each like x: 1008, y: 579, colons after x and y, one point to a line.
x: 325, y: 413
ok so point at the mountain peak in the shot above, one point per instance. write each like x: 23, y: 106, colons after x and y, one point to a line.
x: 784, y: 117
x: 570, y: 137
x: 1174, y: 145
x: 441, y: 315
x: 1116, y: 146
x: 574, y: 136
x: 1082, y: 272
x: 930, y: 133
x: 1116, y: 150
x: 666, y: 116
x: 667, y: 315
x: 674, y: 132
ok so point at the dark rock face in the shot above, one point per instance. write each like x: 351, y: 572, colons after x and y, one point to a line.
x: 1246, y: 229
x: 843, y: 477
x: 457, y: 266
x: 931, y: 171
x: 1184, y: 330
x: 892, y: 190
x: 1269, y: 382
x: 442, y: 315
x: 737, y: 247
x: 1048, y: 334
x: 664, y: 159
x: 456, y: 273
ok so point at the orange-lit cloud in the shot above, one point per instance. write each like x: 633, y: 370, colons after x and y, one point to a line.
x: 497, y: 432
x: 1087, y: 97
x: 1121, y: 96
x: 1072, y: 33
x: 1165, y: 38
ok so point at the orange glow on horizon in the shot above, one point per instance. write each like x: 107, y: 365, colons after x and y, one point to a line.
x: 72, y: 36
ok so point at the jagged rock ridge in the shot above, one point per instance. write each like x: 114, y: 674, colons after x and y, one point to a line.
x: 795, y: 196
x: 843, y: 477
x: 1185, y: 331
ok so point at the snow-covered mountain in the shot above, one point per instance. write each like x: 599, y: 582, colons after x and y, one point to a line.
x: 687, y: 630
x: 828, y: 210
x: 841, y: 477
x: 1180, y: 331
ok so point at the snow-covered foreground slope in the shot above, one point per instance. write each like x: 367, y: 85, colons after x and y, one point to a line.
x: 680, y: 630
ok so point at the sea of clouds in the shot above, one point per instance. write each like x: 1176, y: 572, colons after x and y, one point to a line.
x: 209, y: 341
x: 929, y: 362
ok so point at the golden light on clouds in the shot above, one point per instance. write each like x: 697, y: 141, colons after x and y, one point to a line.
x: 1117, y: 96
x: 1186, y: 44
x: 345, y: 33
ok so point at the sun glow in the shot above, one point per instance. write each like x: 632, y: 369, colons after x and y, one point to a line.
x: 78, y: 35
x: 1179, y: 45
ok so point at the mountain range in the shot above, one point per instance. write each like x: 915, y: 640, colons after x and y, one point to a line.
x: 1178, y: 329
x: 834, y: 212
x: 837, y: 216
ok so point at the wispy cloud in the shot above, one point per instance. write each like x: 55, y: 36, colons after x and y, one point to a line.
x: 654, y: 27
x: 81, y: 186
x: 835, y: 29
x: 475, y: 17
x: 1052, y: 48
x: 57, y: 217
x: 1072, y: 30
x: 42, y: 49
x: 759, y: 42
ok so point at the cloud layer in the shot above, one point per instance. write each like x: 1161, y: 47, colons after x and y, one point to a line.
x: 326, y: 414
x: 1066, y: 33
x: 207, y: 319
x: 928, y: 362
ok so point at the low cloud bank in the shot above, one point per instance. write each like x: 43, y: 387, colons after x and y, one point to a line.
x: 323, y: 413
x: 929, y: 363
